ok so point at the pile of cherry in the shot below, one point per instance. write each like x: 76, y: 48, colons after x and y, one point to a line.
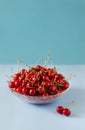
x: 38, y: 81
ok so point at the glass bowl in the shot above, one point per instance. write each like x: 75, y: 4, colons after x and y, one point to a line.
x: 43, y: 80
x: 40, y: 99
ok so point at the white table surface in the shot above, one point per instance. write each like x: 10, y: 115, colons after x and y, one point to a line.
x: 16, y: 114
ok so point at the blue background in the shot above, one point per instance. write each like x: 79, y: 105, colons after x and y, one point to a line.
x: 30, y: 29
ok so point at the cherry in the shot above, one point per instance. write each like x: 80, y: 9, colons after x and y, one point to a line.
x: 60, y: 81
x: 38, y: 68
x: 41, y: 89
x: 16, y: 83
x: 66, y: 111
x: 36, y: 85
x: 66, y: 85
x: 18, y: 90
x: 24, y: 90
x: 27, y: 75
x: 60, y: 76
x: 60, y: 109
x: 34, y: 79
x: 45, y: 77
x: 46, y: 84
x: 20, y: 79
x: 51, y: 74
x: 12, y: 84
x: 56, y: 76
x: 32, y: 92
x: 52, y: 88
x: 45, y: 94
x: 24, y: 83
x: 16, y: 76
x: 29, y: 84
x: 23, y: 71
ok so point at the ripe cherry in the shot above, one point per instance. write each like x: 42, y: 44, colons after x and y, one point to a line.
x: 18, y: 90
x: 38, y: 68
x: 66, y: 85
x: 45, y: 77
x: 60, y: 109
x: 32, y: 92
x: 45, y: 94
x: 24, y: 90
x: 60, y: 76
x: 66, y: 111
x: 29, y: 85
x: 16, y: 76
x: 11, y: 84
x: 41, y: 89
x: 23, y: 71
x: 46, y: 84
x: 52, y: 88
x: 34, y: 79
x: 16, y: 83
x: 60, y: 81
x: 27, y: 75
x: 51, y: 74
x: 36, y: 85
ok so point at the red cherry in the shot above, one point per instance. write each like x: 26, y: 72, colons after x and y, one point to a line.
x: 56, y: 76
x: 46, y: 84
x: 52, y: 88
x: 45, y: 94
x: 41, y: 89
x: 38, y: 67
x: 66, y: 111
x: 36, y: 85
x: 18, y: 90
x: 45, y: 77
x: 17, y: 83
x: 66, y: 85
x: 11, y: 84
x: 23, y: 83
x: 32, y: 92
x: 29, y: 84
x: 24, y: 90
x: 20, y: 79
x: 27, y: 75
x: 59, y: 91
x: 34, y: 79
x: 60, y: 81
x: 60, y: 76
x: 16, y: 76
x: 43, y: 70
x: 23, y: 71
x: 59, y: 109
x: 51, y: 74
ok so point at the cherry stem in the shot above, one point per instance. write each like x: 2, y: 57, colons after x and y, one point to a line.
x: 8, y: 77
x: 38, y: 61
x: 47, y: 60
x: 19, y: 62
x: 70, y: 77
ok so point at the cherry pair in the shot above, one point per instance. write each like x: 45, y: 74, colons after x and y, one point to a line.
x: 64, y: 111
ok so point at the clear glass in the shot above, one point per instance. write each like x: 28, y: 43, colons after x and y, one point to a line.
x: 40, y: 99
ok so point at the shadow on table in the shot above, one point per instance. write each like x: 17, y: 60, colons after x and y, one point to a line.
x: 74, y: 99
